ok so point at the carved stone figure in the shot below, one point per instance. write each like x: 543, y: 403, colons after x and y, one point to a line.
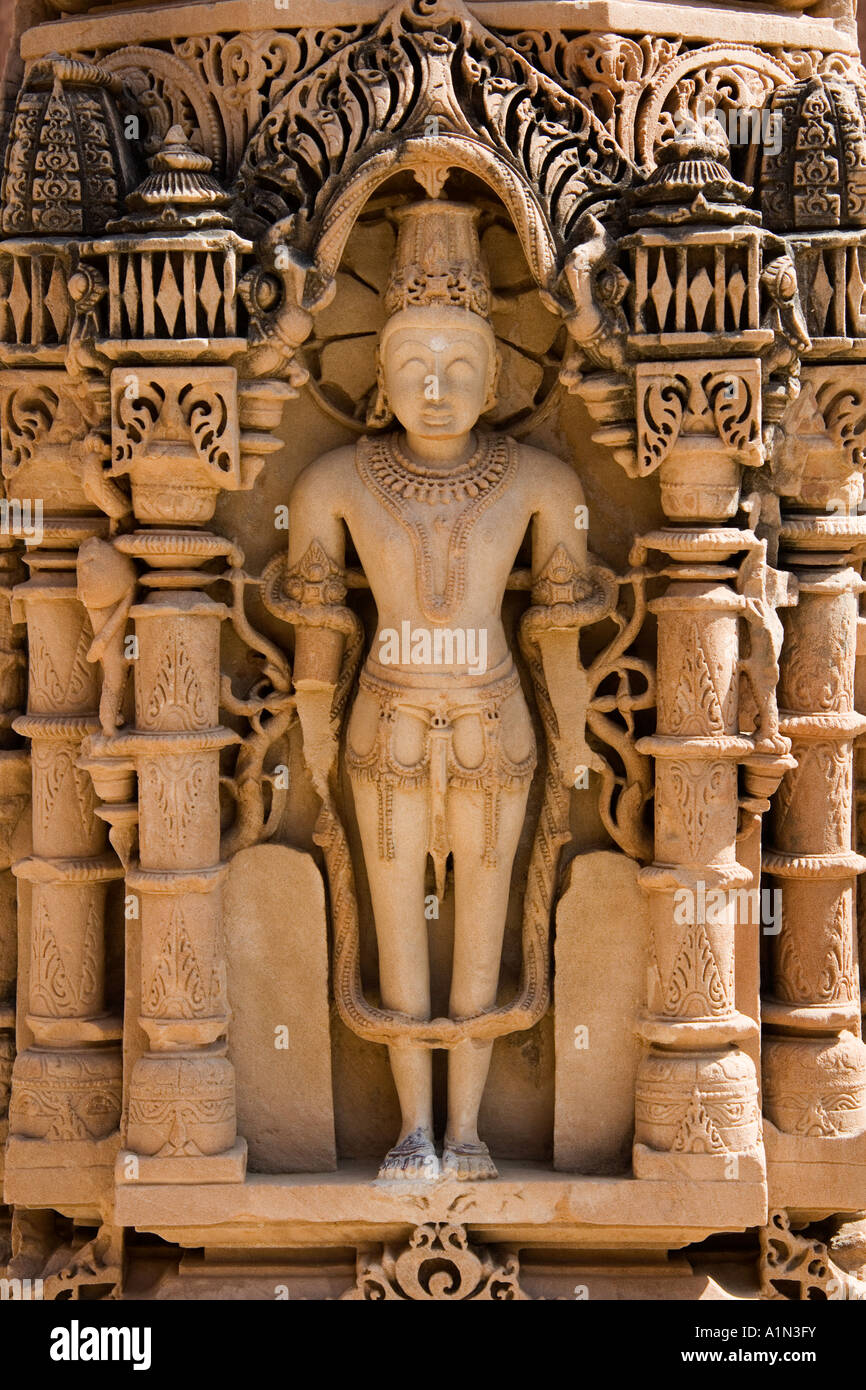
x: 432, y: 650
x: 440, y: 747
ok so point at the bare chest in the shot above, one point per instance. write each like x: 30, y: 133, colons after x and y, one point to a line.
x: 442, y: 542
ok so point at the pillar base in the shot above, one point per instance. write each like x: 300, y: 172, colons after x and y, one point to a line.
x: 656, y: 1165
x: 816, y: 1175
x: 230, y: 1166
x: 53, y: 1173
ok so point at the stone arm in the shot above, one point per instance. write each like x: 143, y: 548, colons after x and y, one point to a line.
x: 568, y: 592
x: 314, y: 590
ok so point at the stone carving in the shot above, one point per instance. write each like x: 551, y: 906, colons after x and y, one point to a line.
x: 106, y: 587
x: 168, y: 95
x: 436, y: 1264
x: 407, y: 753
x: 480, y: 261
x: 247, y: 74
x: 796, y: 1266
x: 817, y: 178
x: 67, y: 168
x: 821, y: 444
x: 428, y: 40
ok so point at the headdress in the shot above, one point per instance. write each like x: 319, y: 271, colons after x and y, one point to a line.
x: 438, y: 263
x: 438, y: 259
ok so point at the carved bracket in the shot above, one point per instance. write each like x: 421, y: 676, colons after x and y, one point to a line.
x: 436, y: 1264
x: 795, y: 1266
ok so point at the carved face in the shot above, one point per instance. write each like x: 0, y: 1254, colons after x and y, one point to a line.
x: 438, y: 369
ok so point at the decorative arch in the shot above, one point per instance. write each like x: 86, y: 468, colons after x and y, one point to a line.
x: 429, y: 81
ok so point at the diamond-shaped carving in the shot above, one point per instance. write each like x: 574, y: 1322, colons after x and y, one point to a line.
x: 662, y: 289
x: 736, y: 293
x: 210, y: 295
x: 822, y: 295
x: 168, y: 296
x: 19, y: 301
x: 856, y: 290
x: 700, y: 294
x: 56, y: 299
x: 131, y: 297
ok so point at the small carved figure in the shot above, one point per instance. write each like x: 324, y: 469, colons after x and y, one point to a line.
x: 106, y: 586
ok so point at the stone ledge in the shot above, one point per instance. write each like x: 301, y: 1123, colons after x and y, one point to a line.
x: 529, y: 1203
x: 709, y: 23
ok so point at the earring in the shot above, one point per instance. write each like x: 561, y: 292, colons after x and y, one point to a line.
x: 493, y: 388
x: 380, y: 412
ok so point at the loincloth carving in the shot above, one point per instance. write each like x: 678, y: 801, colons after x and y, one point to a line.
x: 439, y: 768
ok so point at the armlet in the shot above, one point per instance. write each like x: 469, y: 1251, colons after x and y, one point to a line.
x: 309, y: 593
x: 572, y: 595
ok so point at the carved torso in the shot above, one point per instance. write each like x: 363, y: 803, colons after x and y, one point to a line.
x: 438, y: 549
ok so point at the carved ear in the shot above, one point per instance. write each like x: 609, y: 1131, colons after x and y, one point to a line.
x: 493, y: 387
x: 380, y: 412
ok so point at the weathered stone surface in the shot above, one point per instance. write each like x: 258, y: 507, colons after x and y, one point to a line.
x: 276, y: 954
x: 600, y: 985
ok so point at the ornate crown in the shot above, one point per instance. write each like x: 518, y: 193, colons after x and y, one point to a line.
x: 438, y: 259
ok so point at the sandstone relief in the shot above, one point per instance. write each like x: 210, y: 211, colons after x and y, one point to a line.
x: 432, y: 703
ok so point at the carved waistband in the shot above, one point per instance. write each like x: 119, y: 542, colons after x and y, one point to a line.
x: 443, y: 681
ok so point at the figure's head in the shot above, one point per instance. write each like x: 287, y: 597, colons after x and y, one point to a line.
x: 437, y: 361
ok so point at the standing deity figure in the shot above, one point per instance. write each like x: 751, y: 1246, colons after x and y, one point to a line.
x: 440, y: 746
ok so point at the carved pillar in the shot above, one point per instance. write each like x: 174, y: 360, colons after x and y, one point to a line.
x: 182, y: 1113
x: 814, y: 1062
x: 860, y: 802
x: 181, y: 434
x: 66, y: 1079
x: 14, y: 796
x: 182, y: 1118
x: 67, y: 169
x: 702, y: 289
x: 696, y: 1094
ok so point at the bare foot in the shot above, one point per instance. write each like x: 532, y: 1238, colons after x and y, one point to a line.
x: 468, y: 1162
x: 413, y: 1157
